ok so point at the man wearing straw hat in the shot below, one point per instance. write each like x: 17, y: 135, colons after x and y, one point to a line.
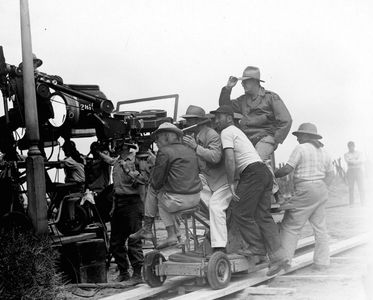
x: 312, y: 169
x: 175, y: 183
x: 216, y: 193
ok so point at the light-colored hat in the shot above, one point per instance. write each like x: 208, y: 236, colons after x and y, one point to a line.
x: 195, y: 112
x: 309, y: 129
x: 167, y: 127
x: 251, y: 73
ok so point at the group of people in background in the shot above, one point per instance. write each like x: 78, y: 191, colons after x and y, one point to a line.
x: 129, y: 178
x: 226, y: 164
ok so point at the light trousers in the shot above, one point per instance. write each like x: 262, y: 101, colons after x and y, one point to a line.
x: 265, y: 148
x: 308, y: 204
x: 167, y: 204
x: 217, y: 202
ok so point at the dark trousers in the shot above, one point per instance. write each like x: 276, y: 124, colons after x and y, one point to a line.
x: 126, y: 219
x: 355, y: 175
x: 252, y: 213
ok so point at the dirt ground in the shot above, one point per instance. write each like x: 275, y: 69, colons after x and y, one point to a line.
x: 346, y: 278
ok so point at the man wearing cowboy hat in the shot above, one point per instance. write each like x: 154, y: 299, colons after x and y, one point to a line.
x: 175, y: 180
x: 312, y: 171
x: 251, y: 199
x: 216, y: 193
x: 265, y: 119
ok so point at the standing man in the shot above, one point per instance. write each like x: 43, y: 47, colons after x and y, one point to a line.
x: 98, y: 168
x: 126, y: 214
x: 265, y: 119
x: 313, y: 171
x: 216, y: 192
x: 73, y: 165
x: 252, y: 197
x: 354, y: 160
x: 174, y: 184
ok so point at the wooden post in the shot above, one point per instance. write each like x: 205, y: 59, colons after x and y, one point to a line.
x: 37, y: 204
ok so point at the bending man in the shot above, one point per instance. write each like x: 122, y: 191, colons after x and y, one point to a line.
x: 216, y: 192
x: 252, y: 198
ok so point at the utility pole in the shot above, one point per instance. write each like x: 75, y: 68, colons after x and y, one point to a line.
x: 35, y: 171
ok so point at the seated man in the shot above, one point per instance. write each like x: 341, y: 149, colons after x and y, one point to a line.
x: 175, y: 181
x: 216, y: 192
x: 98, y: 168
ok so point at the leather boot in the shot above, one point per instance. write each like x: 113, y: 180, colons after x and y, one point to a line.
x: 171, y: 238
x: 146, y: 231
x: 276, y: 267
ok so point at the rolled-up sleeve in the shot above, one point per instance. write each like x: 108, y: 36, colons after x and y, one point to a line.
x: 160, y: 171
x: 295, y: 157
x: 283, y: 119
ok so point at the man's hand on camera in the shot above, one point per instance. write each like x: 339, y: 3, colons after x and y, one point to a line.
x: 232, y: 81
x: 190, y: 141
x: 151, y: 158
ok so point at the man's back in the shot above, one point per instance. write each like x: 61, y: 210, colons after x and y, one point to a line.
x: 309, y: 162
x: 176, y: 170
x: 244, y: 152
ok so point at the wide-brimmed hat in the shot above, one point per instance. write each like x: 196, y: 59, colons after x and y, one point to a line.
x: 251, y: 73
x: 167, y: 127
x: 223, y: 109
x: 195, y: 112
x: 309, y: 129
x: 36, y: 61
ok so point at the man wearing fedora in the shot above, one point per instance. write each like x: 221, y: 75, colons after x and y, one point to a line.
x: 312, y: 172
x: 251, y: 200
x: 216, y: 193
x: 265, y: 119
x: 175, y: 182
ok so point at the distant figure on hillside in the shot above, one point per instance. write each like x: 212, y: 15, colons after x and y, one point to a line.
x: 354, y: 160
x: 313, y: 171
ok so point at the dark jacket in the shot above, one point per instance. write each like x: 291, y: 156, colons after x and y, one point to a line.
x: 176, y: 170
x: 264, y: 115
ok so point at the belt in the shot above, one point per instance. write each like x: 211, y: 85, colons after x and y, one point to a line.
x: 254, y: 164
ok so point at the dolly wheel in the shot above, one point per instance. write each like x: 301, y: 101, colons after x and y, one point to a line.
x: 218, y: 271
x: 151, y: 260
x: 67, y: 226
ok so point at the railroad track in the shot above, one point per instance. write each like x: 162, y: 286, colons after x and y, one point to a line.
x: 185, y: 284
x: 173, y: 287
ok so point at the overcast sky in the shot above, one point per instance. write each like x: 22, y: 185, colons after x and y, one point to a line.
x: 317, y: 55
